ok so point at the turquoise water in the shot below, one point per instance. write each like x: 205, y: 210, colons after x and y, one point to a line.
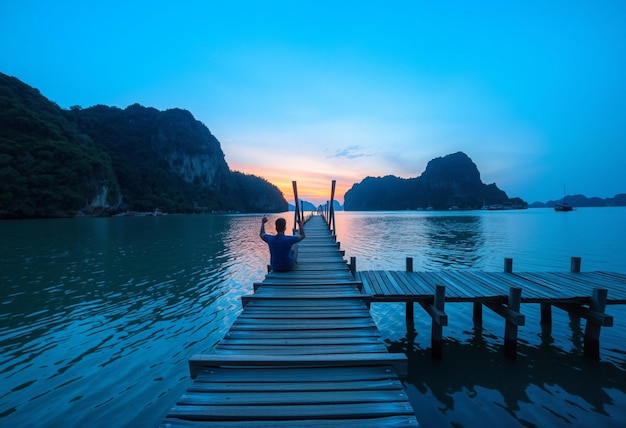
x: 99, y: 315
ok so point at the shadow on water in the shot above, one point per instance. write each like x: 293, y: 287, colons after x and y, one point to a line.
x: 544, y: 386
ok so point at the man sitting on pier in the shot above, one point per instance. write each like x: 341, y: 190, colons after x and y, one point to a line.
x: 283, y: 252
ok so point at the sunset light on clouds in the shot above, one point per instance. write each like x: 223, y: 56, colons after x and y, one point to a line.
x: 533, y: 92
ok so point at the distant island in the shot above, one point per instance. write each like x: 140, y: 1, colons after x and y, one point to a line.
x: 582, y: 201
x: 451, y: 182
x: 104, y: 160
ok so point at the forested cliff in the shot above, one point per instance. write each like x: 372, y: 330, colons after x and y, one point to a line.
x: 449, y: 182
x: 103, y: 160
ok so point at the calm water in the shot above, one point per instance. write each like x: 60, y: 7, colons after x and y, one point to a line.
x: 99, y: 315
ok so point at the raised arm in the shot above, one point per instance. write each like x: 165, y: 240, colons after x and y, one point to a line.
x: 262, y: 231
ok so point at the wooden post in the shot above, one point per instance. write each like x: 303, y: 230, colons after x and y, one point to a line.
x: 510, y: 329
x: 575, y: 265
x: 296, y: 214
x: 353, y: 265
x: 508, y: 265
x: 477, y: 314
x: 410, y: 308
x: 332, y: 224
x: 546, y: 315
x: 591, y: 344
x: 436, y: 341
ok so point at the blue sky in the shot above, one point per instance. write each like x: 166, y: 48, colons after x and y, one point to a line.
x: 534, y: 91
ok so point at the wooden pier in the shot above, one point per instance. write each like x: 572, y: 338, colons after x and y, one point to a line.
x: 304, y: 352
x: 581, y: 294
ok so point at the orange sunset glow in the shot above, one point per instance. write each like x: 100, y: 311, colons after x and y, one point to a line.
x: 312, y: 187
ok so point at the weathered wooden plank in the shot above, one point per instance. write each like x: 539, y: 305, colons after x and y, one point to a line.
x: 362, y: 298
x: 288, y: 398
x: 282, y: 314
x: 301, y: 324
x: 280, y: 412
x: 198, y: 362
x: 356, y: 385
x: 402, y: 421
x: 271, y: 375
x: 295, y: 350
x: 253, y: 341
x: 287, y: 334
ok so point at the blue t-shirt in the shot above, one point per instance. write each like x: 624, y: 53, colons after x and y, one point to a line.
x: 281, y: 258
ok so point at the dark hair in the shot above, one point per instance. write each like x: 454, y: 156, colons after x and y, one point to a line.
x: 281, y: 224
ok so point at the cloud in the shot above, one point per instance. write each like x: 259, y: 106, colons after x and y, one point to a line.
x: 350, y: 152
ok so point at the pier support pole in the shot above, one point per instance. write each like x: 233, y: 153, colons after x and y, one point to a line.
x: 477, y: 314
x: 436, y: 341
x: 591, y: 345
x: 510, y: 329
x: 410, y: 310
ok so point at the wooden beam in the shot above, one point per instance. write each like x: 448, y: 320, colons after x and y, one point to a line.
x: 504, y: 311
x: 584, y: 312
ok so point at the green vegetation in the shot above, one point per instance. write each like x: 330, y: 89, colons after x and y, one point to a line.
x: 103, y: 160
x: 45, y: 168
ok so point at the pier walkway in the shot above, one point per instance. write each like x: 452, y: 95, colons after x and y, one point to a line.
x: 304, y: 352
x: 581, y: 294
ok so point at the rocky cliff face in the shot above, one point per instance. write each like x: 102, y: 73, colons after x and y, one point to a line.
x: 190, y: 150
x: 449, y: 182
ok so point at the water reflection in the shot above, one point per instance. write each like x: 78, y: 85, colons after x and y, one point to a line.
x: 478, y: 377
x: 452, y: 241
x: 120, y: 303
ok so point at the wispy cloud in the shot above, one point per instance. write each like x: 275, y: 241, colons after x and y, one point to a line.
x: 350, y: 152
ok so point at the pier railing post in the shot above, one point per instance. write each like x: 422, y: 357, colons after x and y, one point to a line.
x: 575, y: 264
x: 353, y: 266
x: 508, y: 265
x: 332, y: 224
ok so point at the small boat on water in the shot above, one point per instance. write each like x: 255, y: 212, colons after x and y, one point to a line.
x: 563, y: 207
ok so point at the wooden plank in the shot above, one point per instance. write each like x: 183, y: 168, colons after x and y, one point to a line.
x: 296, y: 350
x: 312, y: 325
x: 402, y: 421
x: 287, y: 398
x: 286, y: 334
x: 279, y: 412
x: 271, y: 375
x: 356, y: 385
x: 253, y: 341
x: 198, y: 362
